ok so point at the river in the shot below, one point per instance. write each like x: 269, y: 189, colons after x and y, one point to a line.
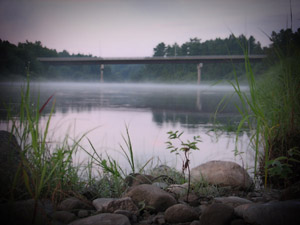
x: 149, y: 110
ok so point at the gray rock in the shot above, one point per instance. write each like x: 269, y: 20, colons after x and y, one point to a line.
x: 63, y: 216
x: 101, y: 203
x: 153, y: 197
x: 178, y: 189
x: 161, y: 185
x: 222, y: 173
x: 232, y: 201
x: 181, y: 213
x: 103, y: 219
x: 73, y: 203
x: 217, y: 214
x: 123, y: 204
x: 271, y: 213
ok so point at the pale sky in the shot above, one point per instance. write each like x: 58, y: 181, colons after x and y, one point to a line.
x: 132, y: 28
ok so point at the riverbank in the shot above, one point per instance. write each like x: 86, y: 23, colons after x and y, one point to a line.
x: 222, y: 194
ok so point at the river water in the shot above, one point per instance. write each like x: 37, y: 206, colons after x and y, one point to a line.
x: 149, y: 110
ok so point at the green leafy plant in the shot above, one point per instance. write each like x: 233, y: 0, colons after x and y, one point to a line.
x: 185, y: 148
x: 282, y: 166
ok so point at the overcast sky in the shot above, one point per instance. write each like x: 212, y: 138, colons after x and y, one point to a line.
x: 128, y: 28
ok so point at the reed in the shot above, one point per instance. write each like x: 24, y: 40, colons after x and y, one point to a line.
x: 270, y: 111
x: 46, y: 170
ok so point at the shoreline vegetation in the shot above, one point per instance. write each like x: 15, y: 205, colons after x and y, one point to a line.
x: 14, y: 58
x: 270, y: 112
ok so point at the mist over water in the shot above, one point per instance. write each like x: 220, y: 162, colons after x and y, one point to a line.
x: 149, y: 110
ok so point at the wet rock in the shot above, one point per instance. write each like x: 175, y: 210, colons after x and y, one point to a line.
x: 153, y: 197
x: 138, y: 179
x: 232, y: 201
x: 271, y: 213
x: 74, y: 203
x: 217, y: 214
x: 103, y: 219
x: 222, y: 173
x: 123, y: 204
x: 101, y: 203
x: 63, y: 216
x: 181, y: 213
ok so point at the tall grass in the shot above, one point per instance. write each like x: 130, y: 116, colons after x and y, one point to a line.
x: 47, y: 171
x: 270, y: 110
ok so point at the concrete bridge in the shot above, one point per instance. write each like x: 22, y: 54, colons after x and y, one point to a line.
x: 198, y: 60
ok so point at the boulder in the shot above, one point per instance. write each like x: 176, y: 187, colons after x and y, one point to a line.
x: 181, y: 213
x: 154, y: 198
x: 74, y: 203
x: 232, y: 201
x: 271, y: 213
x: 103, y: 219
x: 222, y: 173
x: 217, y: 214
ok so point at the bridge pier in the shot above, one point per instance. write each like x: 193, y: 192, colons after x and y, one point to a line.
x: 101, y: 73
x: 199, y: 66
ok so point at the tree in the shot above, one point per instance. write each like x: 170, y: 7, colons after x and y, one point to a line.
x: 160, y: 49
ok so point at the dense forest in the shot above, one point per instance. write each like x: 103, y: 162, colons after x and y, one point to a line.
x: 14, y: 59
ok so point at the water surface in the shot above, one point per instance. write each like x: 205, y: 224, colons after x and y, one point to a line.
x: 149, y: 110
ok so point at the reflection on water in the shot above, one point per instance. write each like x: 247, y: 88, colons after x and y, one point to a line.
x: 150, y: 110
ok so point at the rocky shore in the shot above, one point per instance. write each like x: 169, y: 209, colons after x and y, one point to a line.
x: 228, y: 199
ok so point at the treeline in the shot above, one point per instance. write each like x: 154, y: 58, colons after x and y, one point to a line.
x: 187, y: 72
x: 14, y: 59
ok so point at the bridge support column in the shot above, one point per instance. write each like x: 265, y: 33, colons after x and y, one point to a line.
x: 101, y: 73
x: 199, y: 66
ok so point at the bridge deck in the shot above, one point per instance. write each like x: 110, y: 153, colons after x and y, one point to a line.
x: 149, y: 60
